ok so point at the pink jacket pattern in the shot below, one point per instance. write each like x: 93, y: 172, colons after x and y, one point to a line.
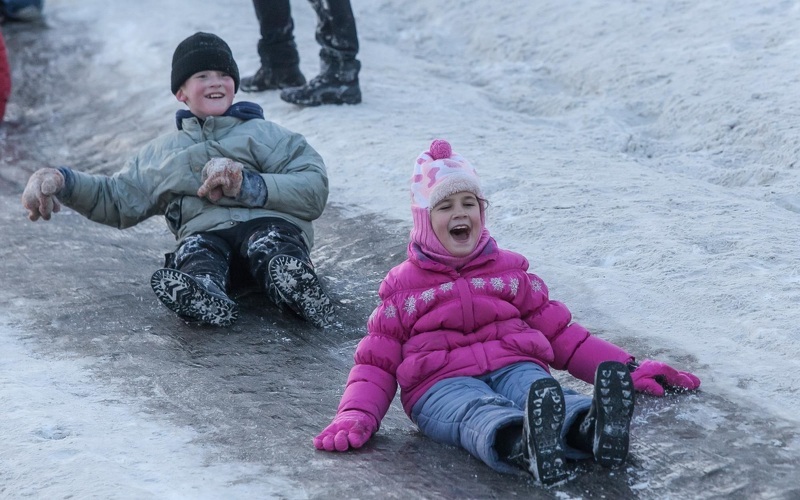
x: 435, y: 322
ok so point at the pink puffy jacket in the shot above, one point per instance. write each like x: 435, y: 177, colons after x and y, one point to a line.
x: 435, y: 322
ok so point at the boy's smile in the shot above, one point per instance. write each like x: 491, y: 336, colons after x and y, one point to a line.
x: 207, y: 93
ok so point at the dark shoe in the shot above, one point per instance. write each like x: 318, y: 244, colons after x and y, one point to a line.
x: 605, y: 430
x: 187, y: 297
x: 323, y: 90
x: 540, y: 451
x: 298, y: 288
x: 273, y: 78
x: 337, y: 83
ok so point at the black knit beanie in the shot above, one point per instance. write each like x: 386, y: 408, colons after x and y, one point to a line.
x: 202, y: 52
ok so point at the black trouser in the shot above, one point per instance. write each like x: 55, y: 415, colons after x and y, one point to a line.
x: 336, y: 31
x: 248, y: 246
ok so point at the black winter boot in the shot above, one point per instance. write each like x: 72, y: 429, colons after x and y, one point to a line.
x: 605, y: 430
x: 294, y: 284
x: 337, y: 83
x: 539, y: 449
x: 267, y: 78
x: 194, y: 298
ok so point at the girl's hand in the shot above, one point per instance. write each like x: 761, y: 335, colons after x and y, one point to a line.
x: 350, y: 429
x: 653, y: 377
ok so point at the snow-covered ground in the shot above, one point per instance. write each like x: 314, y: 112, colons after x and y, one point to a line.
x: 643, y: 155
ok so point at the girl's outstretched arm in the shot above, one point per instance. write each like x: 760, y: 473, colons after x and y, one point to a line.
x: 350, y: 429
x: 369, y: 391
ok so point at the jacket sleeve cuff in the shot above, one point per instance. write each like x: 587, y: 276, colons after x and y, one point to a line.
x: 254, y: 190
x: 69, y: 182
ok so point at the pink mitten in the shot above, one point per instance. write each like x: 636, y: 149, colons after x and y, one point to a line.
x: 221, y: 177
x: 652, y: 377
x: 350, y: 429
x: 39, y: 197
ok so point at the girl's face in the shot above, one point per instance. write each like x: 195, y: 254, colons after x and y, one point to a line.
x: 456, y: 222
x: 207, y: 93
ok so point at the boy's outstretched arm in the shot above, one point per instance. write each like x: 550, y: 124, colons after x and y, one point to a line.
x: 39, y: 197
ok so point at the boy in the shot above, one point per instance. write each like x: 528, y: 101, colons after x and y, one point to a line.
x: 233, y: 187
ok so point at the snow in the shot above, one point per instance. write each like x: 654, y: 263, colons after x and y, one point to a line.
x: 58, y: 429
x: 642, y: 155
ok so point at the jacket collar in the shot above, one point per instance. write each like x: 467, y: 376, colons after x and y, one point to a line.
x: 489, y: 252
x: 243, y: 110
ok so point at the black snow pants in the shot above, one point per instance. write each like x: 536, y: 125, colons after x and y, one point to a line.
x: 239, y: 256
x: 336, y: 32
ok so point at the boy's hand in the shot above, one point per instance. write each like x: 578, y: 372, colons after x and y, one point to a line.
x: 653, y: 377
x: 350, y: 429
x: 39, y: 197
x: 221, y: 177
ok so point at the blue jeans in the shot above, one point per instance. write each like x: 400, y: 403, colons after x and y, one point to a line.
x: 468, y: 411
x: 12, y: 7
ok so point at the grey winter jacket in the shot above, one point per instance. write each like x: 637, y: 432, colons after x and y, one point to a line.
x: 163, y: 178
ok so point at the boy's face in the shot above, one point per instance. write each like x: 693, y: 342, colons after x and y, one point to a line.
x: 456, y: 222
x: 207, y: 93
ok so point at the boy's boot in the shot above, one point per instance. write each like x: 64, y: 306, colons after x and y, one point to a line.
x: 272, y: 78
x: 337, y: 83
x: 540, y: 451
x: 198, y: 298
x: 605, y: 430
x: 294, y: 284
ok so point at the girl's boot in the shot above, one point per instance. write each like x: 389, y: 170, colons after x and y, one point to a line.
x: 605, y: 430
x: 539, y: 450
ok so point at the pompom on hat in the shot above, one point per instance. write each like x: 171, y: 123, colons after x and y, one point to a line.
x: 202, y: 52
x: 439, y: 173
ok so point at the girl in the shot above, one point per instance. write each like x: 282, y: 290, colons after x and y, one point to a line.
x: 469, y: 335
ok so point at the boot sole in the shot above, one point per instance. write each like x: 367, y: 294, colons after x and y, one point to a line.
x: 614, y: 394
x: 544, y: 416
x: 299, y: 288
x: 184, y: 296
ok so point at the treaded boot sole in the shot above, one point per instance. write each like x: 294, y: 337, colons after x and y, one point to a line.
x: 614, y: 396
x: 299, y: 288
x: 544, y: 417
x: 183, y: 295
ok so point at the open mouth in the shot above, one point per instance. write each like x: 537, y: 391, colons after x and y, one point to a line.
x: 460, y: 232
x: 215, y: 95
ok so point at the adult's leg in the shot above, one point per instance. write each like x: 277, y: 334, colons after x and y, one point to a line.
x: 336, y: 28
x: 337, y: 82
x: 280, y: 62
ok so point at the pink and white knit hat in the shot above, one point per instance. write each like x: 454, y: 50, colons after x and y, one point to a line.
x: 439, y: 173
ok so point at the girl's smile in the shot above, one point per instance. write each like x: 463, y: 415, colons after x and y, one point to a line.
x: 456, y: 222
